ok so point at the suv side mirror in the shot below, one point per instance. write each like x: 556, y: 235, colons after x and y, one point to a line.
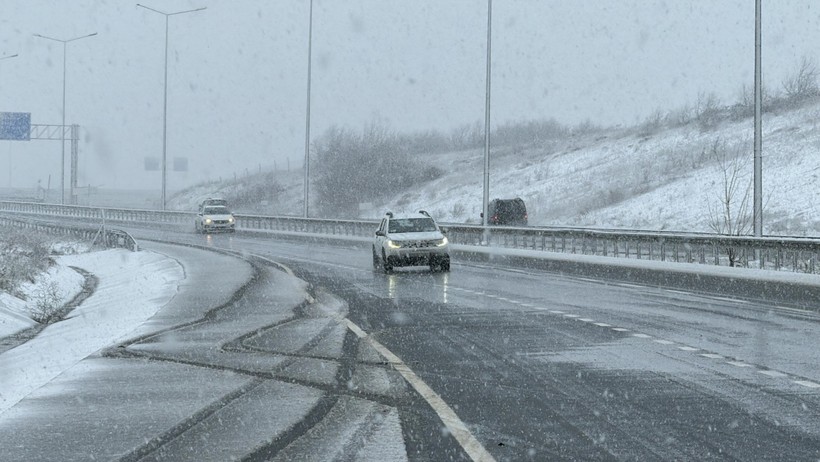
x: 379, y: 233
x: 443, y: 231
x: 481, y: 214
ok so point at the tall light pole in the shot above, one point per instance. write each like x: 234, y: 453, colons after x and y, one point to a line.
x: 2, y: 58
x: 757, y: 216
x: 307, y: 112
x: 13, y: 56
x: 165, y: 95
x: 62, y: 126
x: 486, y: 200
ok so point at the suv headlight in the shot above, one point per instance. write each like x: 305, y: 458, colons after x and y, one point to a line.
x: 207, y: 221
x: 231, y: 220
x: 393, y: 244
x: 441, y: 242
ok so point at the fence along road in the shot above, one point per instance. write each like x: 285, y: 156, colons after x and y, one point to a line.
x: 774, y: 253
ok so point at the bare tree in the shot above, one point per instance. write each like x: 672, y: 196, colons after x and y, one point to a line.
x: 730, y: 214
x: 802, y: 84
x: 708, y: 111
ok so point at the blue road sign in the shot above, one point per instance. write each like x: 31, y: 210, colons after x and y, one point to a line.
x: 15, y: 126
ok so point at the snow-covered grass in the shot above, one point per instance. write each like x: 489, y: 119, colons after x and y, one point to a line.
x: 132, y: 287
x: 662, y: 179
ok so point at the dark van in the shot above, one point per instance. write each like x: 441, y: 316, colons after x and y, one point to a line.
x: 509, y: 212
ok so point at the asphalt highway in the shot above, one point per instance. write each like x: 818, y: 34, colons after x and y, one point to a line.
x: 485, y: 362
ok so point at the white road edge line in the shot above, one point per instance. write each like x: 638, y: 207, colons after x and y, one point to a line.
x: 468, y: 442
x: 457, y: 428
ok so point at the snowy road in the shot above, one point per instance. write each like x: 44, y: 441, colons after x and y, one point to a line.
x: 247, y: 361
x: 216, y: 354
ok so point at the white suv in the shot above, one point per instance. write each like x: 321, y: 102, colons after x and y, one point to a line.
x: 410, y: 240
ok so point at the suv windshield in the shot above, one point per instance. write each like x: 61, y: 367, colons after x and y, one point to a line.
x: 411, y: 225
x: 216, y: 211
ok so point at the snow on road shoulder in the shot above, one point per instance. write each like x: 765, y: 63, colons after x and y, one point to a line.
x: 133, y: 286
x: 60, y: 282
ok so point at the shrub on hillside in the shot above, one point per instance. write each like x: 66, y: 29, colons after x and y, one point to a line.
x: 23, y: 255
x: 802, y: 84
x: 352, y: 168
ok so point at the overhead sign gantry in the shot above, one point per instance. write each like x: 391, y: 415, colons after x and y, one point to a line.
x: 17, y: 126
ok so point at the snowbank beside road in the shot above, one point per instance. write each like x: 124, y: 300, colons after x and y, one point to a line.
x: 149, y: 280
x: 56, y: 286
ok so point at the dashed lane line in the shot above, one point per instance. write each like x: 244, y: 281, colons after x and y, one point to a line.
x: 770, y: 373
x: 739, y: 364
x: 807, y: 383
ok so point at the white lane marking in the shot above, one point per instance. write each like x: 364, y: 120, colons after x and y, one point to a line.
x: 602, y: 324
x: 664, y: 342
x: 456, y: 427
x: 641, y: 335
x: 711, y: 355
x: 556, y: 312
x: 807, y: 383
x: 528, y: 305
x: 572, y: 316
x: 739, y: 364
x: 688, y: 348
x: 620, y: 329
x: 586, y: 320
x: 772, y: 373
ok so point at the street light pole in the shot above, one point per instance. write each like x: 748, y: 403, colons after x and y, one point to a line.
x: 62, y: 126
x: 2, y: 58
x: 165, y: 96
x: 13, y: 56
x: 758, y: 135
x: 307, y: 113
x: 486, y: 200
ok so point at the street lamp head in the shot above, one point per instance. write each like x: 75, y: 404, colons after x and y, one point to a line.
x: 67, y: 40
x: 170, y: 14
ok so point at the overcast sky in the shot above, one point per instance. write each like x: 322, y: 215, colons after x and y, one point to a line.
x: 237, y: 72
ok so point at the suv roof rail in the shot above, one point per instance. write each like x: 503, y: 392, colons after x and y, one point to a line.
x: 424, y: 212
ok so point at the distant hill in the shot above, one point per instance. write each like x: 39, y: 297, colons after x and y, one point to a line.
x: 643, y: 177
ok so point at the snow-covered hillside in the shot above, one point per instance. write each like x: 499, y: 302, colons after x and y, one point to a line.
x: 619, y: 178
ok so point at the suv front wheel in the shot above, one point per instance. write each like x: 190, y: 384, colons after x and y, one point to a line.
x: 388, y: 268
x: 442, y: 265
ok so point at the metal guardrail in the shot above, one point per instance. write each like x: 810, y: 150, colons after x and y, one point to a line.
x: 775, y: 253
x: 107, y: 237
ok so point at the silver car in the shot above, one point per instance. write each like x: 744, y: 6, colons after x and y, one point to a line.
x: 410, y: 240
x: 215, y: 218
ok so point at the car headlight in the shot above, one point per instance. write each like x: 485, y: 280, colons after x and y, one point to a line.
x: 441, y: 242
x: 393, y: 244
x: 230, y: 220
x: 207, y: 221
